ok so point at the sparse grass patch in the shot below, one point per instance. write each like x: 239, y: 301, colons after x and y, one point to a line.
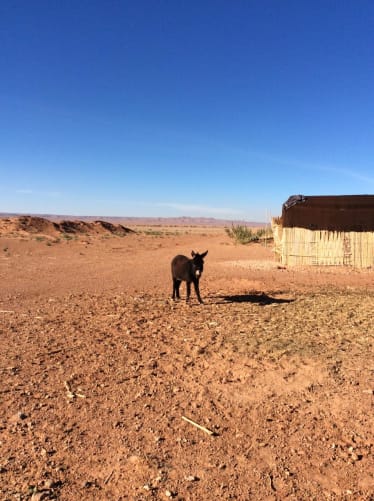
x: 325, y: 325
x: 67, y: 236
x: 153, y: 233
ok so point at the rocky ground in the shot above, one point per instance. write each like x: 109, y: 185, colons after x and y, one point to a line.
x: 104, y: 377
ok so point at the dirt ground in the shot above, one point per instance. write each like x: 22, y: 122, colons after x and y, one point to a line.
x: 99, y: 369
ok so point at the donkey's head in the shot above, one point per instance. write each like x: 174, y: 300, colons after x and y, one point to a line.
x: 198, y: 263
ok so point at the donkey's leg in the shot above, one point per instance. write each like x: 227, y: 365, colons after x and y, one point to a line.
x: 197, y: 290
x: 188, y: 291
x: 176, y: 284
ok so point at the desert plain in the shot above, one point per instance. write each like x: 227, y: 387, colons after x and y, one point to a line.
x: 99, y: 370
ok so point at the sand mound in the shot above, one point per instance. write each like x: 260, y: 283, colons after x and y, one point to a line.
x: 74, y: 227
x: 116, y: 229
x: 33, y: 224
x: 42, y: 226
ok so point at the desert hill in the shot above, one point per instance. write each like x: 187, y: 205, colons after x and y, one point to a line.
x: 42, y: 226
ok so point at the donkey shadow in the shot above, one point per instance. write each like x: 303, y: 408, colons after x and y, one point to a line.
x: 261, y: 299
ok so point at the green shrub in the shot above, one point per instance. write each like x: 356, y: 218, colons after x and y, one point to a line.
x: 244, y: 235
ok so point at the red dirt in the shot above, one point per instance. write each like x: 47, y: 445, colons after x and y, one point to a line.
x: 98, y: 366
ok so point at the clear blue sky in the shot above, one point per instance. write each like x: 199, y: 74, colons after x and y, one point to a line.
x: 171, y: 107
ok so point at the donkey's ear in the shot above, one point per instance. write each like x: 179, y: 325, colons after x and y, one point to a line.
x: 193, y: 254
x: 204, y: 254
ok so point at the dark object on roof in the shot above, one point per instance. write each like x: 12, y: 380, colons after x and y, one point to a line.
x: 332, y: 213
x: 293, y: 200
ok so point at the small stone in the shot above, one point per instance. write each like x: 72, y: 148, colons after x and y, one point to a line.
x: 39, y: 496
x: 356, y: 457
x: 20, y: 416
x: 192, y: 478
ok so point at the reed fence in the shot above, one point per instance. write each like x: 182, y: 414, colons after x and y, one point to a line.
x: 300, y: 246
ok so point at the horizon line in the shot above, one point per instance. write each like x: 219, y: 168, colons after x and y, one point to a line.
x: 208, y: 218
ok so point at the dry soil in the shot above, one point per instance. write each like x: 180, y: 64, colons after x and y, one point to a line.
x: 99, y: 368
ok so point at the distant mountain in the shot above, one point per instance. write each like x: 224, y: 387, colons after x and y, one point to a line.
x: 148, y: 221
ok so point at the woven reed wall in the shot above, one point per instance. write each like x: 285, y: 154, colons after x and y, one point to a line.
x: 277, y: 236
x: 299, y: 246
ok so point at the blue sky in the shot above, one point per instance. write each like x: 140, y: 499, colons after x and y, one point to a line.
x: 184, y: 108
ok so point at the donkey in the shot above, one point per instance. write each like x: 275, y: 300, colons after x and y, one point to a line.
x: 189, y: 270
